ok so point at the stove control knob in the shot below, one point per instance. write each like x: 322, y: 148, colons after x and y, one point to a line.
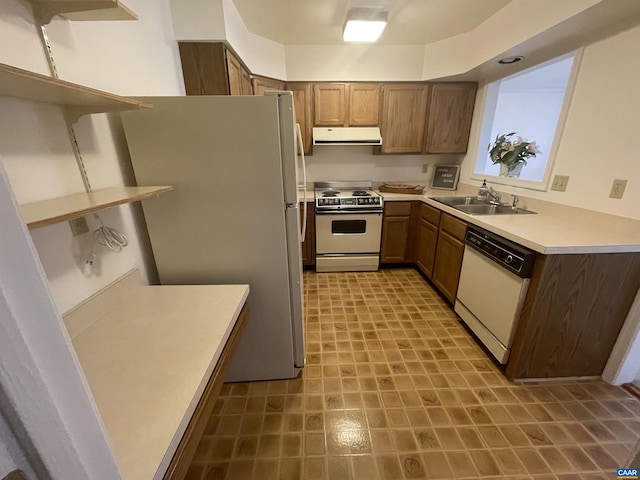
x: 509, y: 259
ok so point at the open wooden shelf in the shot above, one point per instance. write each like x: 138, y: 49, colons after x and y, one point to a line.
x: 82, y: 10
x: 78, y: 99
x: 48, y: 212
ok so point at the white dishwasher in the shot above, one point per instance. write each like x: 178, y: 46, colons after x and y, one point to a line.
x: 493, y: 284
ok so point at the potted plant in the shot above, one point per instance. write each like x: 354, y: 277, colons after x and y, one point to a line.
x: 511, y: 154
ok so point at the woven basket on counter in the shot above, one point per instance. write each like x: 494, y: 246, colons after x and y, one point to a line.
x: 401, y: 188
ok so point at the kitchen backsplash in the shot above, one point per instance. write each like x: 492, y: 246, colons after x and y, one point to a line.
x: 336, y: 162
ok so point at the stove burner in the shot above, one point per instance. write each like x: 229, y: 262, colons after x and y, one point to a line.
x: 361, y: 193
x: 330, y: 193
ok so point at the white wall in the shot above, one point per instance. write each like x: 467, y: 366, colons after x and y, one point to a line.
x: 354, y: 62
x: 336, y: 162
x: 127, y: 58
x: 598, y: 141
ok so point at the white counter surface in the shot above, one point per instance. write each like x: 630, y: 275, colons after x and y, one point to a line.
x: 555, y: 229
x: 148, y: 358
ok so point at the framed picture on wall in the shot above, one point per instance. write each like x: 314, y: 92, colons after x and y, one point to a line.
x: 446, y: 177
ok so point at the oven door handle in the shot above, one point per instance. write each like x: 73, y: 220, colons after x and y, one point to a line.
x: 365, y: 211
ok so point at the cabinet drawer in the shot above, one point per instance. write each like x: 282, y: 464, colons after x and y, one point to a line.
x: 454, y: 227
x: 397, y: 208
x: 430, y: 214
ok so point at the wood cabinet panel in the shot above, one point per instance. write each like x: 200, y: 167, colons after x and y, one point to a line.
x: 204, y: 68
x: 403, y: 117
x: 430, y: 214
x: 395, y: 231
x: 447, y: 265
x: 397, y: 208
x: 302, y: 104
x: 449, y: 117
x: 364, y: 104
x: 187, y: 447
x: 427, y: 244
x: 234, y: 73
x: 309, y: 244
x: 453, y: 226
x: 573, y: 313
x: 245, y: 80
x: 329, y: 104
x: 262, y: 84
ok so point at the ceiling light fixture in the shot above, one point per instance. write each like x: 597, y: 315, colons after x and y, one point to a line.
x: 364, y: 24
x: 509, y: 60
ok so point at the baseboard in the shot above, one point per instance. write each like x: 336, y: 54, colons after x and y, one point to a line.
x: 632, y: 389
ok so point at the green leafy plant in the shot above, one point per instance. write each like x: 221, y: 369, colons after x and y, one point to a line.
x: 512, y: 152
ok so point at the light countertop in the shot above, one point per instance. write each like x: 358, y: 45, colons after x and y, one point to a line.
x: 555, y: 229
x: 148, y: 358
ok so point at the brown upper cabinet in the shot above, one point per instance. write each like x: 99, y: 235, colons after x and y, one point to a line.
x: 302, y: 93
x: 449, y: 117
x: 211, y: 69
x: 404, y: 108
x: 346, y: 104
x: 329, y: 104
x: 262, y: 84
x: 363, y: 105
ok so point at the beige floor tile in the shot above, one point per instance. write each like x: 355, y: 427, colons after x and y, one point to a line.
x: 396, y: 388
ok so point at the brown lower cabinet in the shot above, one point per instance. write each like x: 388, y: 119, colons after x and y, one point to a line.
x: 428, y: 226
x: 309, y: 244
x: 448, y: 260
x: 187, y: 447
x: 395, y: 232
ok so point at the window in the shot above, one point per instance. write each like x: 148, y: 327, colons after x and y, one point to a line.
x: 532, y: 104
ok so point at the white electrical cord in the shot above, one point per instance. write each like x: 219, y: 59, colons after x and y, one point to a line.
x: 108, y: 237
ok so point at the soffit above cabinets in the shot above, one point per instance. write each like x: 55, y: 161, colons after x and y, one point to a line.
x: 411, y: 22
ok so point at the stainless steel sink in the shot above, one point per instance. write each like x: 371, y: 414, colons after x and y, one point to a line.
x: 455, y: 201
x: 488, y: 209
x: 473, y: 206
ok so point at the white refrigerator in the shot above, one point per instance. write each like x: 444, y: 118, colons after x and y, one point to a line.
x: 233, y: 215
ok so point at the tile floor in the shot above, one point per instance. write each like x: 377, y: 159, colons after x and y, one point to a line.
x: 396, y: 388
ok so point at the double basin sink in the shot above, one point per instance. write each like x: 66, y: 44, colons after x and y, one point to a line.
x: 473, y: 206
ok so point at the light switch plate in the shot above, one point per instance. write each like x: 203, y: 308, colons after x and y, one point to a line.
x: 617, y: 189
x: 425, y: 168
x: 560, y: 183
x: 78, y: 226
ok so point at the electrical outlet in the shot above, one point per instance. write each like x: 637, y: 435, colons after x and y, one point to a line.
x: 560, y: 183
x: 617, y: 189
x: 79, y: 226
x: 425, y: 168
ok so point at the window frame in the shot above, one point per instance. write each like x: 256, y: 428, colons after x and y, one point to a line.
x: 490, y: 96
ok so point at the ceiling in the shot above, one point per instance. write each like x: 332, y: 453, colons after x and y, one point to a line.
x: 319, y: 22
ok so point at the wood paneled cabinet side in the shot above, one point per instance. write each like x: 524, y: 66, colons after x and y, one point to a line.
x: 309, y: 244
x: 395, y: 232
x: 329, y: 105
x: 363, y: 104
x: 403, y: 116
x: 234, y: 73
x: 428, y: 226
x: 303, y: 106
x: 245, y: 80
x: 263, y: 84
x: 204, y: 68
x: 572, y: 315
x: 449, y: 252
x: 449, y: 117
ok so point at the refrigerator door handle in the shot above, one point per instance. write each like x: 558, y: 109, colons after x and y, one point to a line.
x: 303, y: 233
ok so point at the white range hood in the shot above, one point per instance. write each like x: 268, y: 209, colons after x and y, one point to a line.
x: 347, y: 136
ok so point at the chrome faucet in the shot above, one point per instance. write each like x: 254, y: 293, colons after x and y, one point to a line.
x: 493, y: 196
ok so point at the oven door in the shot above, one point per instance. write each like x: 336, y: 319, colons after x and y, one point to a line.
x: 348, y: 233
